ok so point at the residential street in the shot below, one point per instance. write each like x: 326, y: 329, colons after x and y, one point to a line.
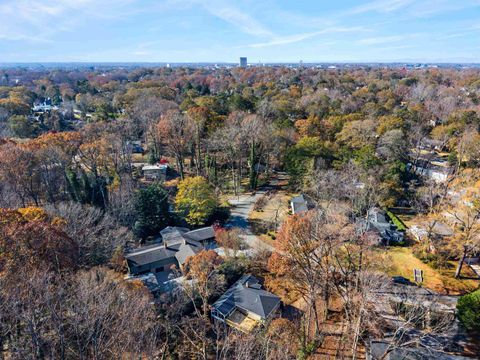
x: 242, y: 205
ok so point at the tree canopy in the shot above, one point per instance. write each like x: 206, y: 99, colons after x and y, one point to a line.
x: 196, y: 200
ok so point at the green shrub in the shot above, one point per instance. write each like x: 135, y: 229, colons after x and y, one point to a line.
x: 309, y: 349
x: 396, y: 221
x: 468, y: 307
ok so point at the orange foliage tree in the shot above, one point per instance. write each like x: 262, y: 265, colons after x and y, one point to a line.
x: 203, y: 269
x: 230, y: 239
x: 30, y: 238
x: 305, y: 245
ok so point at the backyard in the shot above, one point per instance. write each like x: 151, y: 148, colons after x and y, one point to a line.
x: 440, y: 280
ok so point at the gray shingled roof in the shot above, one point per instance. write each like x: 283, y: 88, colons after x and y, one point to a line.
x: 178, y: 248
x: 378, y: 216
x: 173, y: 233
x: 201, y: 234
x: 181, y: 243
x: 247, y: 294
x: 299, y: 204
x: 149, y: 254
x: 378, y: 349
x: 186, y: 250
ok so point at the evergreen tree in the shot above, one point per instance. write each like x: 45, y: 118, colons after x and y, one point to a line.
x: 151, y: 210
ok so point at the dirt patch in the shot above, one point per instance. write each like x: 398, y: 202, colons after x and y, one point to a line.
x: 269, y: 213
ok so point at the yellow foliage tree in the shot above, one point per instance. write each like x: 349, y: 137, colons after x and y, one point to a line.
x: 195, y: 200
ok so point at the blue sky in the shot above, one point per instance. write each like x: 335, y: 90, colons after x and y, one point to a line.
x: 223, y: 30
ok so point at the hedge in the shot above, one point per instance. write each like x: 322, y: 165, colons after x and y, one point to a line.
x: 398, y: 223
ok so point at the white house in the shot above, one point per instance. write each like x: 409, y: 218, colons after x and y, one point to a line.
x: 157, y: 172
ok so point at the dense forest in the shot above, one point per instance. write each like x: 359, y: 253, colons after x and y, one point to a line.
x: 74, y: 200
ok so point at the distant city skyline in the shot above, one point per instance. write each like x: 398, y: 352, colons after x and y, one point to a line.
x: 268, y: 31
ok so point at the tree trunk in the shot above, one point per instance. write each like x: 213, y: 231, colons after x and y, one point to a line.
x: 356, y: 335
x: 180, y: 166
x: 317, y: 320
x: 253, y: 170
x: 460, y: 263
x: 199, y: 154
x: 1, y: 347
x: 192, y: 157
x: 234, y: 183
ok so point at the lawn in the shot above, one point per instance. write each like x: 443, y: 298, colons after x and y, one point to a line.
x: 139, y: 158
x: 441, y: 280
x: 277, y: 206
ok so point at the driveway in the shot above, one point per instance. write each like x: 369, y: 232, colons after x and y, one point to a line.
x: 242, y: 205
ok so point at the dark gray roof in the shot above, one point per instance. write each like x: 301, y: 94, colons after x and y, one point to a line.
x: 148, y: 255
x: 377, y: 220
x: 378, y: 216
x: 247, y: 294
x: 201, y: 234
x: 178, y: 248
x: 299, y: 204
x: 173, y: 233
x: 378, y: 348
x: 187, y: 249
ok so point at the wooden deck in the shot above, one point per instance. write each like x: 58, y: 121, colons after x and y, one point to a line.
x: 242, y: 322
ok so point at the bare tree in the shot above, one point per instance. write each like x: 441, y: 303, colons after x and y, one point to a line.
x: 465, y: 219
x: 175, y: 133
x: 108, y: 319
x: 96, y: 233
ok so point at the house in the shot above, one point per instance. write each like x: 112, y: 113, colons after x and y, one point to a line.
x: 377, y: 349
x: 157, y: 172
x: 428, y: 161
x: 399, y: 303
x: 298, y: 204
x: 435, y: 229
x: 160, y: 258
x: 377, y: 221
x: 135, y: 147
x: 45, y: 106
x: 436, y: 170
x: 245, y: 305
x: 431, y: 144
x: 176, y: 246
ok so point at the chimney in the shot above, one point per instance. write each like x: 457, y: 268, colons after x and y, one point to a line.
x: 165, y: 246
x: 247, y: 284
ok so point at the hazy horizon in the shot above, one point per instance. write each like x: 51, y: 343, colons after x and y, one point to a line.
x: 271, y: 31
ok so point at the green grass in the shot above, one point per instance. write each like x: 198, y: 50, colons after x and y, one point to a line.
x: 402, y: 262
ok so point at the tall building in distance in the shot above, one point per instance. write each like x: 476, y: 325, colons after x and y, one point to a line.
x: 243, y: 62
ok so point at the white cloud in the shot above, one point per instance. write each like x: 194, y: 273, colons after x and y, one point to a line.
x: 289, y: 39
x: 427, y: 8
x: 381, y: 40
x: 226, y: 11
x: 233, y: 15
x: 39, y: 20
x: 241, y: 20
x: 382, y: 6
x: 413, y: 8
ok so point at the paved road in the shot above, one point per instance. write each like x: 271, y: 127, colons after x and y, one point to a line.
x: 242, y: 205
